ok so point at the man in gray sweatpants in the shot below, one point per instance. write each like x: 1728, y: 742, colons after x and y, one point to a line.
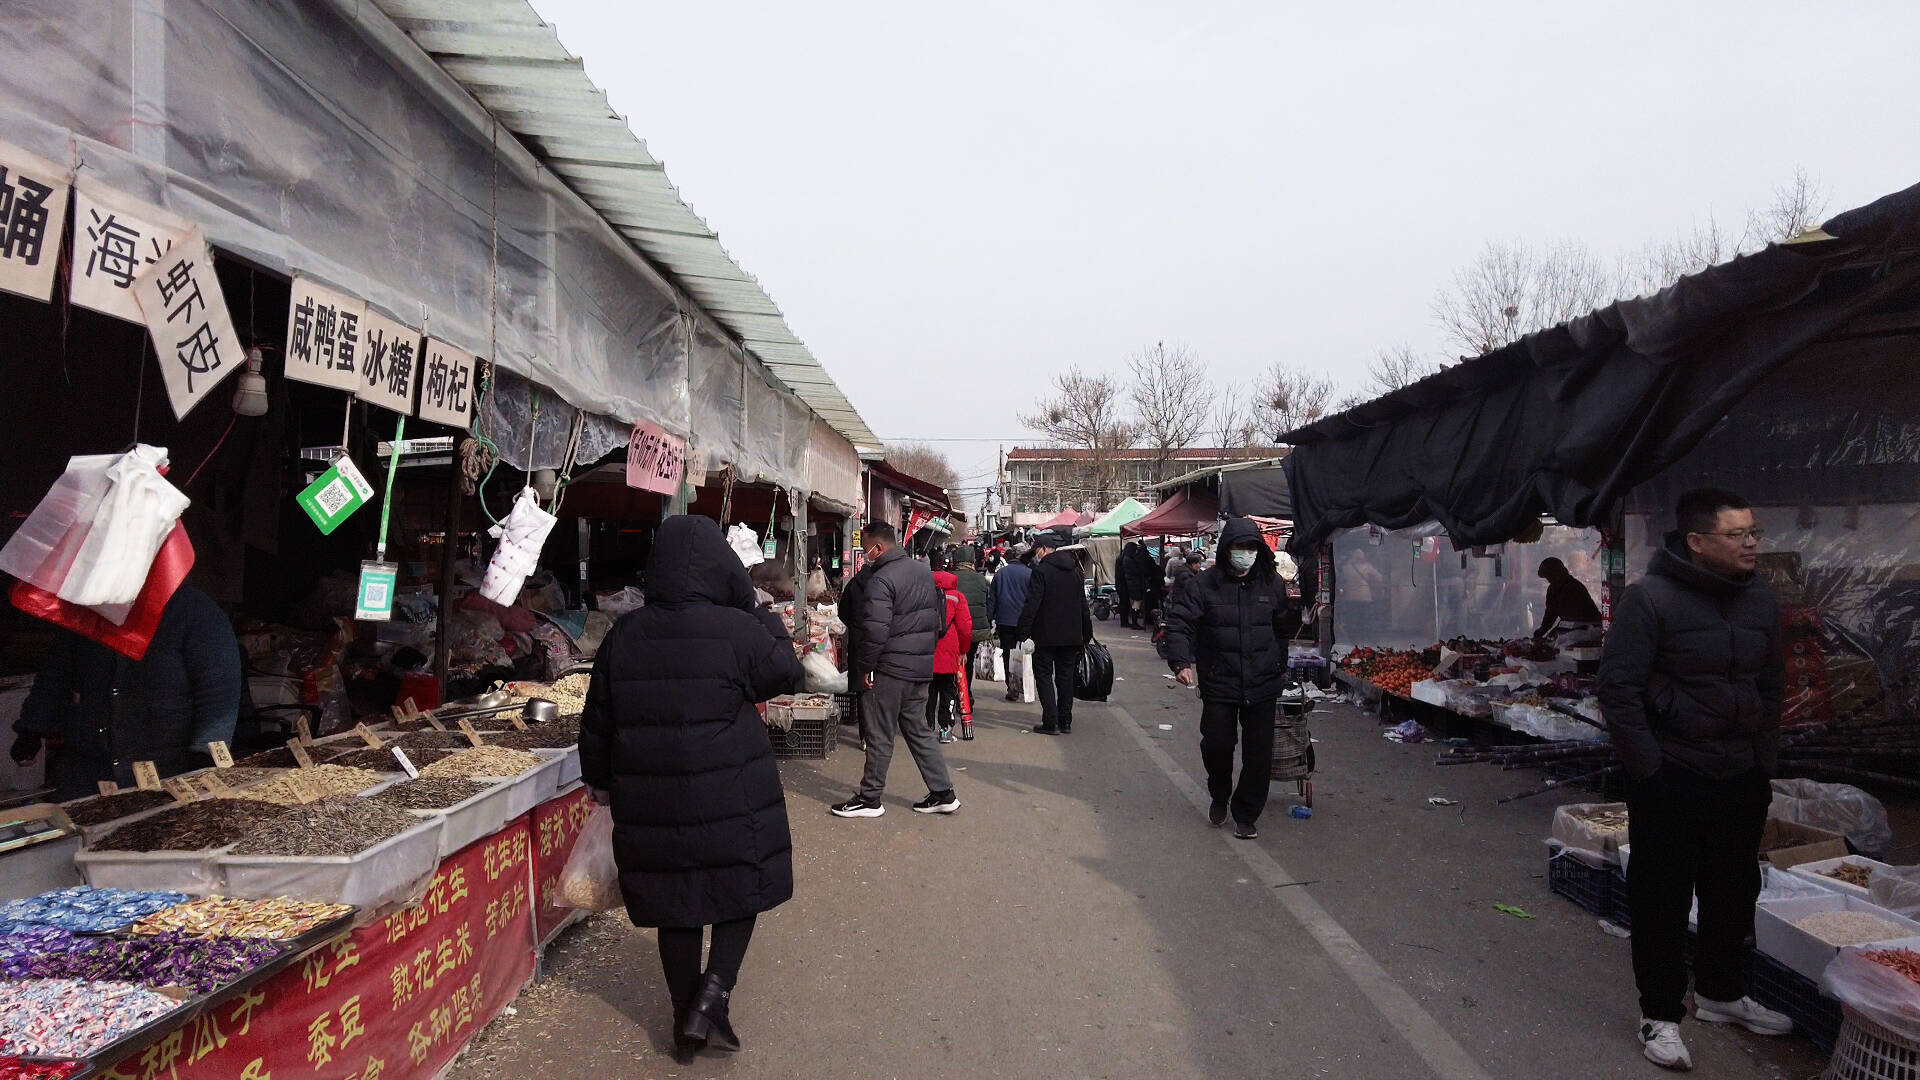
x: 899, y: 625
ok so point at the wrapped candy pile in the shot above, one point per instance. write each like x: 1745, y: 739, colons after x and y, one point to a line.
x: 171, y: 958
x: 15, y: 1069
x: 69, y: 1018
x: 85, y: 910
x: 277, y: 919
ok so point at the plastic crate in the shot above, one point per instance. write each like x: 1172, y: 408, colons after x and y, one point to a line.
x: 847, y: 708
x: 1867, y: 1051
x: 1617, y: 912
x: 1814, y: 1014
x: 812, y: 737
x: 1589, y: 886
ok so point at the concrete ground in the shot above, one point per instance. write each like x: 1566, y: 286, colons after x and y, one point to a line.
x: 1078, y: 918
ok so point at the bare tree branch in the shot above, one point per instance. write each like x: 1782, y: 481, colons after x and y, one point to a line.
x: 1084, y: 413
x: 1289, y: 398
x: 1399, y: 366
x: 923, y: 462
x: 1513, y: 289
x: 1171, y: 399
x: 1798, y: 205
x: 1234, y: 424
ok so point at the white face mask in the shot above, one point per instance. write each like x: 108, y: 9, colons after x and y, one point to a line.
x: 1242, y: 559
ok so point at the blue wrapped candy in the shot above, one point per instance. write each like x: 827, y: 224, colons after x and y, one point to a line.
x: 84, y: 909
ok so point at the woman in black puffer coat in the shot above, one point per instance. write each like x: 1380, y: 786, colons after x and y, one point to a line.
x: 671, y: 740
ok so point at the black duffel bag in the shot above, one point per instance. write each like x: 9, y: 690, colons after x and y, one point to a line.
x: 1093, y: 676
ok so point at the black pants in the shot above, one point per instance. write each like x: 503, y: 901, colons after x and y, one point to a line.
x: 1692, y: 835
x: 1053, y: 668
x: 1222, y: 724
x: 943, y: 701
x: 1122, y: 594
x: 680, y: 955
x: 1010, y: 646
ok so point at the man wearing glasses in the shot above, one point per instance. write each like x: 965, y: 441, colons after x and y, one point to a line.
x: 1691, y: 685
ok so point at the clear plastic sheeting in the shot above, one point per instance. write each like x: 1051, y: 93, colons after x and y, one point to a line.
x: 833, y: 468
x: 1408, y: 588
x: 719, y: 410
x: 764, y: 447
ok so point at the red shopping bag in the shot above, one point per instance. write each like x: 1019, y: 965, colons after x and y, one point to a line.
x: 131, y: 638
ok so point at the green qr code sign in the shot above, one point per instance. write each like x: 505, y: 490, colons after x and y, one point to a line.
x: 335, y: 495
x: 375, y: 600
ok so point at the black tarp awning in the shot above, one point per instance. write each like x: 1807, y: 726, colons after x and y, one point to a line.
x: 1260, y: 492
x: 1565, y: 421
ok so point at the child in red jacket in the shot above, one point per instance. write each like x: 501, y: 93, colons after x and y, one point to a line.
x: 948, y: 697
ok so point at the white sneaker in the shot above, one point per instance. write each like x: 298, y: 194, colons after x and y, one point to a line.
x: 1660, y: 1041
x: 1746, y: 1012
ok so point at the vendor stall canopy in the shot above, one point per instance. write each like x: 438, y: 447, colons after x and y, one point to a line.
x: 449, y: 162
x: 1568, y: 421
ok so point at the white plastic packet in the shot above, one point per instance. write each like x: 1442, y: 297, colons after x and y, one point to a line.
x: 746, y: 544
x: 92, y: 538
x: 521, y: 536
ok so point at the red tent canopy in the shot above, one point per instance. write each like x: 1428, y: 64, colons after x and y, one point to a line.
x: 1083, y: 518
x: 1186, y: 513
x: 1060, y: 520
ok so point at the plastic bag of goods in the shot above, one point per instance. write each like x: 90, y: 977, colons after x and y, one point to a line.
x: 1840, y: 808
x: 1897, y: 889
x: 1879, y: 982
x: 1596, y: 829
x: 521, y: 536
x: 822, y: 676
x: 1093, y: 675
x: 93, y: 536
x: 590, y: 881
x: 746, y: 544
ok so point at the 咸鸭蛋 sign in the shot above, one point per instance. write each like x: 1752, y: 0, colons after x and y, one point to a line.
x: 447, y: 384
x: 324, y: 336
x: 186, y: 313
x: 116, y: 237
x: 656, y: 461
x: 33, y: 214
x: 389, y: 363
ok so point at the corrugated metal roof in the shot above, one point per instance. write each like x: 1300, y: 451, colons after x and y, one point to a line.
x: 512, y: 62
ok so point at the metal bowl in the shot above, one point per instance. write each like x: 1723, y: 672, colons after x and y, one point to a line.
x: 539, y: 711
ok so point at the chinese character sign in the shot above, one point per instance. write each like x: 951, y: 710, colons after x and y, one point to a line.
x: 186, y: 313
x: 325, y: 336
x: 389, y: 363
x: 115, y: 238
x: 655, y: 460
x: 33, y: 213
x: 447, y: 384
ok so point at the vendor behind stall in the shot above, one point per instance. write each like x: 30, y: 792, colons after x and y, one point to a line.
x: 106, y: 712
x: 1568, y: 601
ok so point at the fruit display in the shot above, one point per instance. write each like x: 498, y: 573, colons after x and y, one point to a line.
x: 1392, y: 670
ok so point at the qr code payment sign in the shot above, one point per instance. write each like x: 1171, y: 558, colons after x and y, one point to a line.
x: 375, y: 595
x: 334, y: 497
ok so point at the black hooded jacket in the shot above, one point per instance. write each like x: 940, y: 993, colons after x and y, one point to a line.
x: 700, y: 822
x: 1056, y: 614
x: 1233, y: 630
x: 1693, y: 674
x: 1137, y: 572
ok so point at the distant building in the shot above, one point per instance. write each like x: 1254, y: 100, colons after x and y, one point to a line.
x: 1045, y: 479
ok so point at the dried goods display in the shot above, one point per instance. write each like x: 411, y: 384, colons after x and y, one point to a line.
x: 569, y: 693
x: 483, y: 761
x: 277, y: 758
x: 321, y: 779
x: 549, y: 736
x: 71, y: 1018
x: 104, y: 808
x: 440, y: 740
x: 430, y: 794
x: 198, y: 964
x: 1849, y: 927
x: 85, y: 909
x: 1604, y: 822
x: 1851, y: 873
x: 342, y: 825
x: 383, y: 760
x: 1904, y: 961
x: 275, y: 919
x: 209, y: 823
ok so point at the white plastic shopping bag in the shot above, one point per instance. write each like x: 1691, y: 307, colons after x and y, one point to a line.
x: 521, y: 536
x: 746, y: 544
x: 590, y: 881
x: 92, y: 539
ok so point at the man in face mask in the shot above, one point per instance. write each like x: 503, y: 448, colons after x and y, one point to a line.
x: 1227, y: 630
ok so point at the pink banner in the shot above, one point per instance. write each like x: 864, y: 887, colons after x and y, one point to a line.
x: 656, y: 461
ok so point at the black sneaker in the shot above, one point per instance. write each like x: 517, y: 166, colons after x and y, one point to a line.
x: 859, y: 807
x: 1244, y: 830
x: 1066, y: 729
x: 1217, y: 814
x: 937, y: 802
x: 1044, y: 729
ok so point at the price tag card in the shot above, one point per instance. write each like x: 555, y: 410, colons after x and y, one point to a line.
x: 367, y: 736
x: 413, y: 711
x: 300, y: 755
x: 222, y: 757
x: 146, y: 776
x: 406, y: 765
x: 108, y: 787
x: 466, y: 728
x: 215, y: 786
x: 181, y: 791
x: 435, y: 721
x: 301, y: 789
x: 303, y: 729
x: 518, y: 723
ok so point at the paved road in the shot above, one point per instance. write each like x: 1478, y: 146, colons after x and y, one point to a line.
x: 1078, y: 918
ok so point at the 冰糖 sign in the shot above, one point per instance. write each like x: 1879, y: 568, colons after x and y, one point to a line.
x: 656, y: 461
x: 33, y: 214
x: 389, y: 363
x: 324, y: 336
x: 186, y: 313
x: 116, y: 237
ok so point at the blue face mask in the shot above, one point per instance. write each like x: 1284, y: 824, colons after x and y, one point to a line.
x: 1242, y: 559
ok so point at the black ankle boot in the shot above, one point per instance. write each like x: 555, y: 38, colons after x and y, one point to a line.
x: 684, y: 1046
x: 707, y: 1016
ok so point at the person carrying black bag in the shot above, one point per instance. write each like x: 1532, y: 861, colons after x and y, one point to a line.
x: 1057, y: 619
x: 1227, y: 629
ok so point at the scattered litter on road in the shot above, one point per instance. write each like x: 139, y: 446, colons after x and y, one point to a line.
x: 1614, y: 929
x: 1408, y: 731
x: 1166, y: 727
x: 1509, y: 909
x: 1441, y: 800
x: 1291, y: 884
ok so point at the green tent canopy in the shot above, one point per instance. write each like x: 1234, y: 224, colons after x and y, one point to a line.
x: 1109, y: 523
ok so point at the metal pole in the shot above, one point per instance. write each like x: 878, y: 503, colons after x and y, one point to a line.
x: 442, y: 645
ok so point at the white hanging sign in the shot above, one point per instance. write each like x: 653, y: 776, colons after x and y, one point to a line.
x: 447, y: 384
x: 115, y: 238
x: 389, y: 363
x: 324, y: 336
x: 33, y: 214
x: 186, y: 314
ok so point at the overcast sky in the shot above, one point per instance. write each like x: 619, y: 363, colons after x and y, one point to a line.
x: 953, y: 201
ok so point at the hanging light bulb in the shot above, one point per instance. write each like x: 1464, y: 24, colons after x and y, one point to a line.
x: 545, y: 482
x: 250, y: 396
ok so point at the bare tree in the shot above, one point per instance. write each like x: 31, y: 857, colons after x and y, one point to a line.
x: 923, y: 462
x: 1085, y: 413
x: 1399, y: 366
x: 1234, y: 424
x: 1171, y: 400
x: 1514, y: 289
x: 1289, y: 398
x: 1798, y: 205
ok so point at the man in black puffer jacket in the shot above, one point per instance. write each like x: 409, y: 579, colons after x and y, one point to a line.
x: 1056, y: 618
x: 900, y: 621
x: 1227, y: 629
x: 1691, y: 686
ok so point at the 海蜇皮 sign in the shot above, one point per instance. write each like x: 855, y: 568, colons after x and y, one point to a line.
x: 116, y: 237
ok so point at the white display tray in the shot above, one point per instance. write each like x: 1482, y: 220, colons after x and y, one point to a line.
x: 196, y: 873
x: 464, y: 822
x: 531, y: 788
x: 384, y: 873
x: 1775, y: 934
x: 569, y: 763
x: 1812, y: 872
